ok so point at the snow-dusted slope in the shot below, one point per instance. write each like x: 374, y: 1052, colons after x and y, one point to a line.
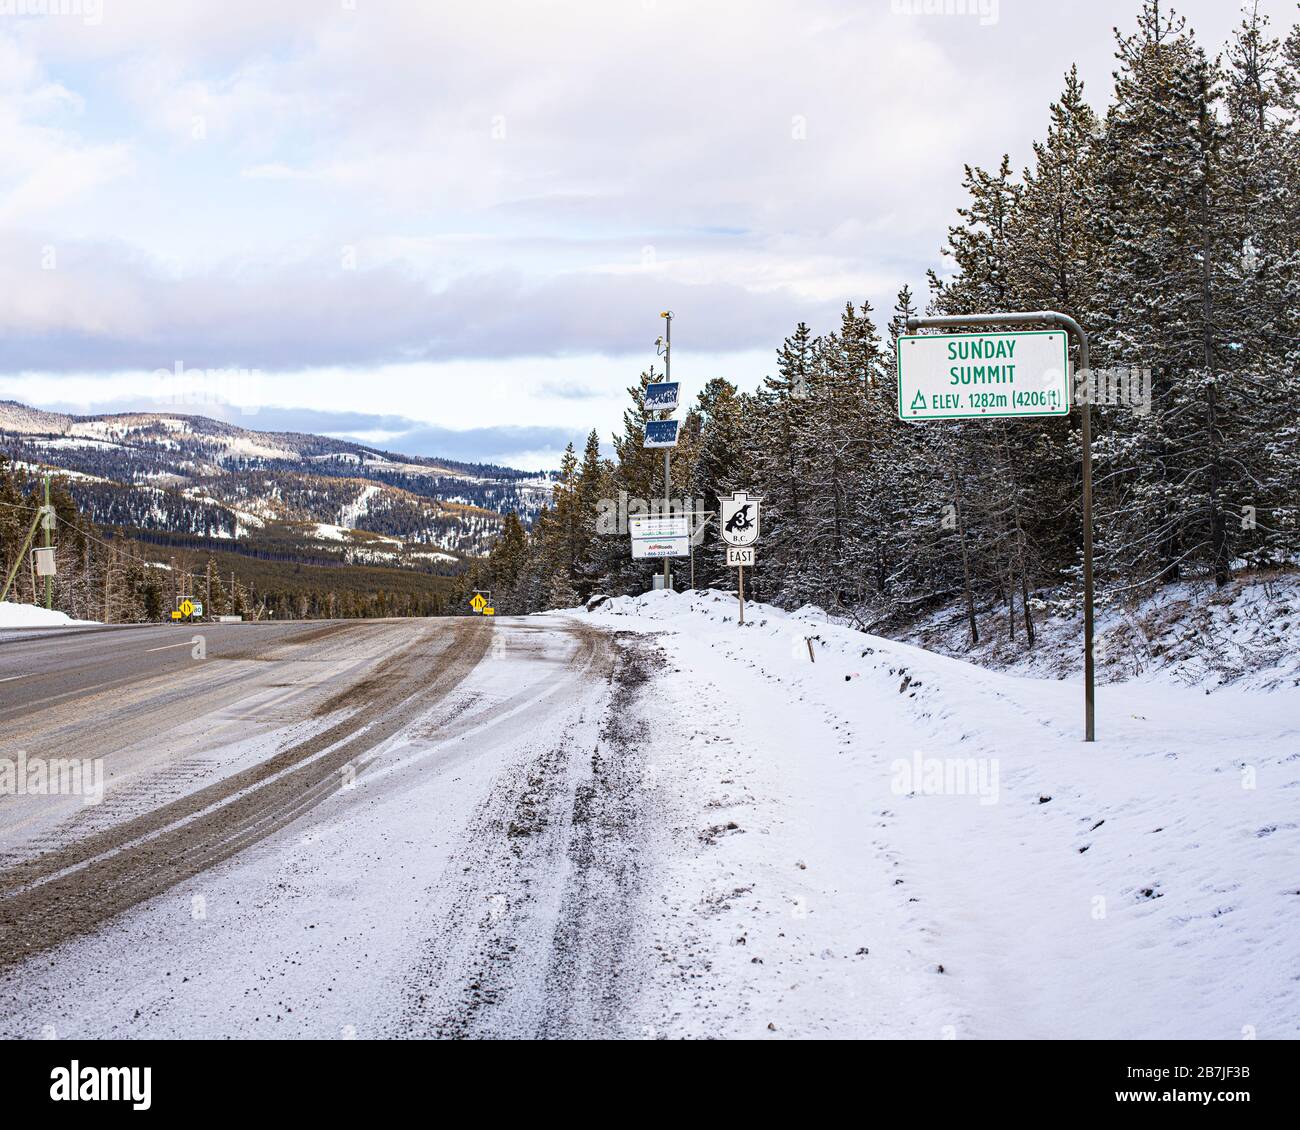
x: 1246, y: 634
x: 896, y: 843
x: 194, y: 475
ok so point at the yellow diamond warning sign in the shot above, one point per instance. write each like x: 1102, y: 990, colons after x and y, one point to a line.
x: 477, y: 602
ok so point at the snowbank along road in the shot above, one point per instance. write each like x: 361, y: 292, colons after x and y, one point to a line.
x: 645, y: 822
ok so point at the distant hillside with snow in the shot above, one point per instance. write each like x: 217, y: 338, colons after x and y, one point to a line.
x: 165, y: 473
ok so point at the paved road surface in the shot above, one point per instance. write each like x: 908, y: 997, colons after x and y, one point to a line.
x: 455, y: 754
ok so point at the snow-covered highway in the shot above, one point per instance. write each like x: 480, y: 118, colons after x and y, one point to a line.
x: 641, y: 822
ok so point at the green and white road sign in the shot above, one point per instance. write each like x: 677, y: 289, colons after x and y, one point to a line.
x: 969, y: 376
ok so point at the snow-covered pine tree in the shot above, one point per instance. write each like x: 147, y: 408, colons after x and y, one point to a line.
x: 1167, y: 288
x: 778, y: 445
x: 721, y: 466
x: 1258, y: 289
x: 989, y: 508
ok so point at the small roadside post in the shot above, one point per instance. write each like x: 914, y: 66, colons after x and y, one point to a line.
x: 974, y: 375
x: 738, y: 524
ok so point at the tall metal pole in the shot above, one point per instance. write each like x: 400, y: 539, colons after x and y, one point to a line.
x: 957, y: 321
x: 47, y: 523
x: 668, y: 376
x: 1085, y: 419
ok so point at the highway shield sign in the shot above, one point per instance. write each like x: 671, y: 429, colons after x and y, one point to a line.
x: 738, y: 518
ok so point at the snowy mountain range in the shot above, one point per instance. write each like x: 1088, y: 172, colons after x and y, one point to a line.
x: 163, y: 473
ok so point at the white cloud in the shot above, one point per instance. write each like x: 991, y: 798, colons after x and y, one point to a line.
x: 510, y: 179
x: 47, y: 165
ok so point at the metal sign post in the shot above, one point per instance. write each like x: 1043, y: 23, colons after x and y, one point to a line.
x: 1039, y: 317
x: 738, y: 524
x: 667, y: 316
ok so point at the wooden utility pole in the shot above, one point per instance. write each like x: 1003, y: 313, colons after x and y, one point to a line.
x: 47, y: 520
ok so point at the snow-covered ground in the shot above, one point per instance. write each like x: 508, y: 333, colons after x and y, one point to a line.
x: 649, y: 821
x: 1246, y: 634
x: 909, y: 845
x: 30, y: 616
x: 327, y: 531
x: 351, y: 514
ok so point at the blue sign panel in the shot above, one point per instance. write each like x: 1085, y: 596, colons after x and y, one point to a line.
x: 661, y: 397
x: 661, y: 433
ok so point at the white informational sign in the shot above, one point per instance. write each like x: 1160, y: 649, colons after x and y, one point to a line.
x: 660, y: 537
x: 661, y: 433
x: 738, y: 518
x: 973, y: 375
x: 661, y: 397
x: 740, y: 555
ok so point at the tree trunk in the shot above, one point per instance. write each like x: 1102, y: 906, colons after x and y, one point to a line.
x: 1218, y: 522
x: 968, y: 592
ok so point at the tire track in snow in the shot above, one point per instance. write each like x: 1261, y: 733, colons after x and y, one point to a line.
x: 542, y: 938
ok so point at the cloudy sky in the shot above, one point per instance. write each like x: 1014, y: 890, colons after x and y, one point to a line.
x: 448, y: 228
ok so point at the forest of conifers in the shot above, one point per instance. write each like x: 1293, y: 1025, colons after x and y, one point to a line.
x: 1168, y: 224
